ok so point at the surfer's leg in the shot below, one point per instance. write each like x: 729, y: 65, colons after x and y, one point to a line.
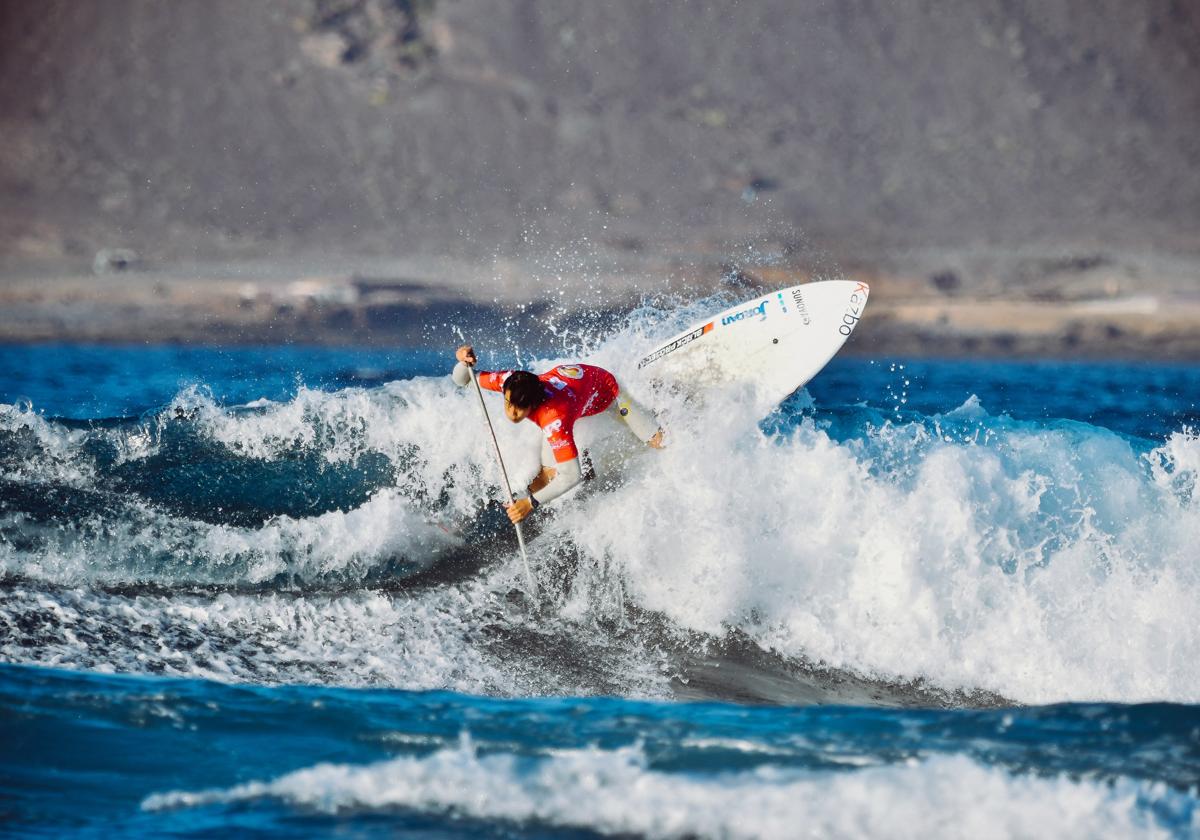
x: 638, y: 418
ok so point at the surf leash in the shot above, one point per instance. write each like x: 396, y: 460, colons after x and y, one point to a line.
x: 507, y: 484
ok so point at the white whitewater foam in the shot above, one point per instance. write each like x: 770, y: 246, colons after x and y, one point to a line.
x: 357, y: 640
x: 57, y: 445
x: 618, y: 792
x: 447, y: 638
x: 1044, y: 564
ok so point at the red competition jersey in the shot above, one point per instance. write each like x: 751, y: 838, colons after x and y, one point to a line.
x: 572, y: 391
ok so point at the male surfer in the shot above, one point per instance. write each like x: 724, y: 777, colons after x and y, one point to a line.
x: 555, y: 400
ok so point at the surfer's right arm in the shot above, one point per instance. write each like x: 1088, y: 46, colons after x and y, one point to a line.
x: 489, y: 380
x: 466, y: 360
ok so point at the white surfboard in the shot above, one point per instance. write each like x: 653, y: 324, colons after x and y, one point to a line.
x: 779, y: 341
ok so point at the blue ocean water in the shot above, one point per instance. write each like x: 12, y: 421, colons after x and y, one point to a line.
x: 260, y: 590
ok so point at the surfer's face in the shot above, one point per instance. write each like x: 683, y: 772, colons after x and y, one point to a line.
x: 512, y: 412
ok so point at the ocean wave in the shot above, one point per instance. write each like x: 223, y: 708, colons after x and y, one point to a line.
x: 618, y: 791
x: 1039, y: 560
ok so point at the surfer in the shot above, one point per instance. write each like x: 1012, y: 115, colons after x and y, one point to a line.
x: 555, y: 400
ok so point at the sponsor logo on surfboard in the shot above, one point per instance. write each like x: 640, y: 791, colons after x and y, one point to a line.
x: 746, y: 314
x: 676, y: 344
x: 850, y: 318
x: 798, y: 299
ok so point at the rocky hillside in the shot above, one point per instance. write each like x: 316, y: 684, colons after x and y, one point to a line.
x: 477, y: 127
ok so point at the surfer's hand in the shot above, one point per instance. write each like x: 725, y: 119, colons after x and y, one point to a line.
x: 519, y: 509
x: 466, y: 355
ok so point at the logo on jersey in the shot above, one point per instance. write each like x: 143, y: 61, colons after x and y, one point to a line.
x: 571, y: 371
x: 552, y: 427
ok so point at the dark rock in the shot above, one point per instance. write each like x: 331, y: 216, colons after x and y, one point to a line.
x: 113, y: 260
x: 946, y: 282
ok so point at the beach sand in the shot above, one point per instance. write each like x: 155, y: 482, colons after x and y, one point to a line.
x: 1018, y: 306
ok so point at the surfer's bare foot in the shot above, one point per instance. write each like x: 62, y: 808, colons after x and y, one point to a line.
x: 657, y: 440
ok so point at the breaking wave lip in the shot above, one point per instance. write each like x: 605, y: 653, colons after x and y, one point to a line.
x: 619, y: 791
x: 324, y: 489
x: 378, y: 544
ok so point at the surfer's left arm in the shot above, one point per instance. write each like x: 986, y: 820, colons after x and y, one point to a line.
x: 561, y: 470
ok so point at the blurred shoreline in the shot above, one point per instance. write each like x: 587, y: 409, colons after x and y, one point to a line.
x: 1060, y: 305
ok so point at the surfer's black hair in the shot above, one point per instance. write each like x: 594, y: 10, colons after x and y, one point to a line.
x: 524, y: 390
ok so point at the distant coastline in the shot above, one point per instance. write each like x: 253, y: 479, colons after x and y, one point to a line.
x: 945, y: 304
